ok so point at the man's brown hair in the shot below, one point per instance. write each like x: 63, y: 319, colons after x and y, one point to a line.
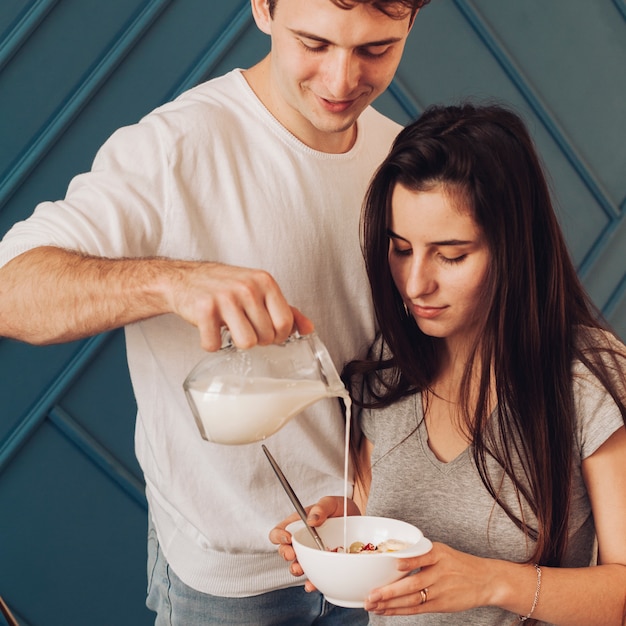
x: 392, y: 8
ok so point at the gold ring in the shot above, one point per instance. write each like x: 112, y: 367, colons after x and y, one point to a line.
x: 424, y: 594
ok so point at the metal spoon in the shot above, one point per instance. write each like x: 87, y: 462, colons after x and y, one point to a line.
x: 294, y: 498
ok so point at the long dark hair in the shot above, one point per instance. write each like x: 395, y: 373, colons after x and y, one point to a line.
x: 537, y: 317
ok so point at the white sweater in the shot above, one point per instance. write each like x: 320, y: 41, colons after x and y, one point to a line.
x: 214, y: 176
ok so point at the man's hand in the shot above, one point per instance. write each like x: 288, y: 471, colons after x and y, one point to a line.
x: 248, y: 302
x: 49, y: 295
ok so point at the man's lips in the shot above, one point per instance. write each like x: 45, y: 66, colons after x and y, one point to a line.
x: 336, y: 107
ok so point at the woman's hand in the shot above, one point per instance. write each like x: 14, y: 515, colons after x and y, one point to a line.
x: 317, y: 514
x: 447, y: 581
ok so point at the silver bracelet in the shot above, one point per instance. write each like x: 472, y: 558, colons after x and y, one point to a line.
x: 536, y: 598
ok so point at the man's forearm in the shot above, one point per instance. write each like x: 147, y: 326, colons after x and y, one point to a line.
x: 49, y: 295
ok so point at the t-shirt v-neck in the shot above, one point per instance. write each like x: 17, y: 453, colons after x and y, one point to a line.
x: 445, y: 467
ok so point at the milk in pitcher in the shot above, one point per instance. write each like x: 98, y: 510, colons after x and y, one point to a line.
x: 253, y: 410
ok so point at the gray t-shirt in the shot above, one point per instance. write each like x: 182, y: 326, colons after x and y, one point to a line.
x: 450, y: 504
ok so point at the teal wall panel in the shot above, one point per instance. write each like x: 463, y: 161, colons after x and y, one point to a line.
x: 28, y: 374
x: 69, y: 539
x: 72, y: 509
x: 94, y: 398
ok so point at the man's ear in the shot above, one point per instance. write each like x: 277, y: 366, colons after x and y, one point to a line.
x: 261, y: 14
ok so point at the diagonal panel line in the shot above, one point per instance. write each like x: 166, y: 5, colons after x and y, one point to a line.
x: 404, y: 98
x: 78, y: 100
x: 596, y: 250
x: 514, y: 72
x: 36, y: 416
x: 98, y: 454
x: 615, y: 298
x: 216, y: 51
x: 620, y: 5
x: 23, y: 29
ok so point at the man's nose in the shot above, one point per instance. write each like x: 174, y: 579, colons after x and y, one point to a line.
x: 343, y: 72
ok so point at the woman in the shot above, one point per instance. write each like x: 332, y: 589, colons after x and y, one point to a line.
x: 494, y: 403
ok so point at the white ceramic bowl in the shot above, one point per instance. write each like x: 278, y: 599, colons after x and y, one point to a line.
x: 346, y: 579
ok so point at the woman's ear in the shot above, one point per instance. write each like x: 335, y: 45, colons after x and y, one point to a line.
x: 261, y: 14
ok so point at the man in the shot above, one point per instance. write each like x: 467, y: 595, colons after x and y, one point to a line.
x: 234, y: 206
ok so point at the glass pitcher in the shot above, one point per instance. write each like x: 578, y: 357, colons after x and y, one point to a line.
x: 242, y: 396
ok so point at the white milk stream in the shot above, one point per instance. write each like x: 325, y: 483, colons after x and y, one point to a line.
x: 258, y: 409
x: 346, y: 464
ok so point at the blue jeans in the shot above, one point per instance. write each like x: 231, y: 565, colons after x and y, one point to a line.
x: 176, y: 604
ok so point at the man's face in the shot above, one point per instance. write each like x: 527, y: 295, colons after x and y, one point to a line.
x: 327, y: 65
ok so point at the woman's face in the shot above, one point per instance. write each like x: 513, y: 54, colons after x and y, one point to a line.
x: 439, y: 260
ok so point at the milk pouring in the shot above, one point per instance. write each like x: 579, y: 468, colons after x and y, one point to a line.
x: 242, y: 396
x: 252, y: 411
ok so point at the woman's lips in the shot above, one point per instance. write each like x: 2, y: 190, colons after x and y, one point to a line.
x: 427, y: 312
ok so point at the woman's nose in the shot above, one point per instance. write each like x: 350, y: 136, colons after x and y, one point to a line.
x: 421, y: 280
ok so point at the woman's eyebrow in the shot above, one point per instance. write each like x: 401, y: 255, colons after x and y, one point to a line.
x: 444, y: 242
x: 393, y: 235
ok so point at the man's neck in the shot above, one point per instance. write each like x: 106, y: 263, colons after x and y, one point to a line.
x: 259, y: 79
